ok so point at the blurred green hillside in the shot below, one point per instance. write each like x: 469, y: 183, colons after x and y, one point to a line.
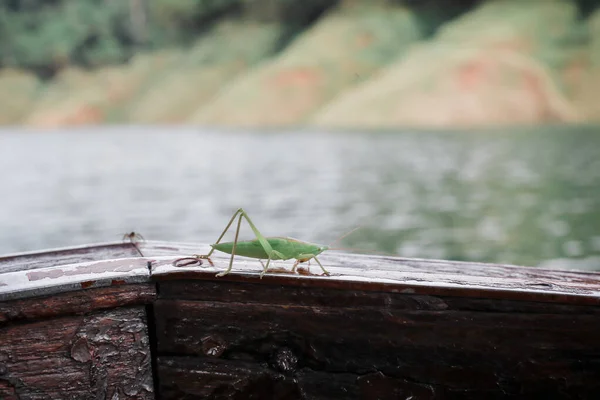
x: 342, y: 64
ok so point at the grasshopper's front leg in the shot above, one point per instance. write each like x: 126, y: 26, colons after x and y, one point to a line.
x: 321, y: 265
x: 307, y: 257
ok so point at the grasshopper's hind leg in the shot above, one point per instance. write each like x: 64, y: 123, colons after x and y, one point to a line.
x: 207, y: 256
x: 272, y: 254
x: 265, y: 268
x: 263, y: 241
x: 237, y: 234
x: 321, y: 265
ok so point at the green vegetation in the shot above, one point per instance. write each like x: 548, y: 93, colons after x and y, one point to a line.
x: 46, y: 35
x: 335, y: 63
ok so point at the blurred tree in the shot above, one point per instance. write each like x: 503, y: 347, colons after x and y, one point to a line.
x: 299, y: 13
x: 177, y: 21
x: 45, y: 35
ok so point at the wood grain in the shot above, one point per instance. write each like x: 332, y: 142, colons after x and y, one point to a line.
x: 377, y: 328
x: 49, y: 258
x: 73, y: 303
x: 326, y: 343
x: 103, y: 355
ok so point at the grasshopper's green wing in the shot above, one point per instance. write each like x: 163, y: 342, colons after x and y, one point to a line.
x: 255, y: 249
x: 252, y: 249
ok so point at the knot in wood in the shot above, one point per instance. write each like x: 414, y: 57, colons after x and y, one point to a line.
x: 285, y: 360
x: 80, y: 351
x: 213, y: 346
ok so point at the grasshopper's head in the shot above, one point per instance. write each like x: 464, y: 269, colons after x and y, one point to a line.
x: 313, y: 248
x: 322, y: 248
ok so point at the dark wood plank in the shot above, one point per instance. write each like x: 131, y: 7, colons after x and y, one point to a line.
x: 430, y: 346
x: 184, y: 377
x: 195, y: 378
x: 249, y: 293
x: 79, y: 302
x: 104, y: 355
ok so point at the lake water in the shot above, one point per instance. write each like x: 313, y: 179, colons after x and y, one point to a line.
x: 529, y: 197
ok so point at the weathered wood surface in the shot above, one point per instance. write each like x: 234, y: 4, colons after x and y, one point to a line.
x: 70, y: 269
x: 393, y: 274
x: 71, y: 255
x: 103, y: 355
x: 378, y: 327
x: 122, y: 263
x: 72, y: 277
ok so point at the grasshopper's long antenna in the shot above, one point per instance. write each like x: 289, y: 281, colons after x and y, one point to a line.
x: 364, y: 251
x: 343, y: 236
x: 354, y: 248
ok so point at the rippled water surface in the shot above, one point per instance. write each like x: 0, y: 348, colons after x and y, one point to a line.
x: 529, y: 198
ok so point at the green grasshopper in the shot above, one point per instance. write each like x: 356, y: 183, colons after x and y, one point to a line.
x: 264, y: 248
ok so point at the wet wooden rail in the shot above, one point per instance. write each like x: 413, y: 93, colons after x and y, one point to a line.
x: 116, y: 321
